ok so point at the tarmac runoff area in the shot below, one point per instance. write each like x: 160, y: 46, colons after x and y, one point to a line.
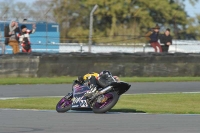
x: 45, y: 121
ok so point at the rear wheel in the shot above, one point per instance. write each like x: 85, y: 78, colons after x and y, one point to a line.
x: 112, y: 98
x: 63, y: 105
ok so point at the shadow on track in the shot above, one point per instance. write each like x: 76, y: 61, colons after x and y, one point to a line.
x: 126, y: 110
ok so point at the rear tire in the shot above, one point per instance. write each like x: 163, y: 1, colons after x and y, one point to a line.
x: 97, y: 108
x: 63, y: 105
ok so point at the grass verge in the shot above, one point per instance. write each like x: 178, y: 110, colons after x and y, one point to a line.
x: 66, y: 80
x: 179, y: 103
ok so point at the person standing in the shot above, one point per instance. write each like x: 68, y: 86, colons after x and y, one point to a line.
x: 2, y: 45
x: 11, y: 37
x: 24, y: 38
x: 166, y: 39
x: 153, y: 37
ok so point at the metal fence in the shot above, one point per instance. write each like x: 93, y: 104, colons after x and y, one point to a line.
x: 51, y: 37
x: 47, y: 39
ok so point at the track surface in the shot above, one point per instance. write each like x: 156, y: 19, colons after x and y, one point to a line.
x: 49, y: 121
x: 32, y: 121
x: 63, y: 89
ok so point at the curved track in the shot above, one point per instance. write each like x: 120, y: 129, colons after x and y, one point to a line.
x: 14, y: 121
x: 62, y: 89
x: 37, y: 121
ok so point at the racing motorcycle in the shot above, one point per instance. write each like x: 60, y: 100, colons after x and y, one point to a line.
x: 100, y: 101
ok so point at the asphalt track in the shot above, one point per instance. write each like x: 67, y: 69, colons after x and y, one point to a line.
x: 63, y: 89
x: 37, y: 121
x: 26, y: 121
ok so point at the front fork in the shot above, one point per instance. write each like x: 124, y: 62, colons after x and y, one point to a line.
x: 69, y: 96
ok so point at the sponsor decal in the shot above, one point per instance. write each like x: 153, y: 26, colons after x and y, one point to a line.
x: 74, y: 106
x: 76, y: 100
x: 83, y: 103
x: 80, y: 102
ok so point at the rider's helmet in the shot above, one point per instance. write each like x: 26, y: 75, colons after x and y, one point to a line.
x: 88, y: 75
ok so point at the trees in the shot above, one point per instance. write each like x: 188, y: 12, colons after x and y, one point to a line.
x: 119, y: 18
x: 12, y: 10
x: 73, y: 19
x: 193, y: 28
x: 41, y: 10
x: 114, y: 21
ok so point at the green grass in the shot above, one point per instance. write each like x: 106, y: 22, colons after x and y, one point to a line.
x: 66, y: 80
x: 160, y: 103
x: 46, y: 80
x: 147, y: 103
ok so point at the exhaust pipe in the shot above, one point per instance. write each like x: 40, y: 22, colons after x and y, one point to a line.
x: 105, y: 90
x: 101, y: 92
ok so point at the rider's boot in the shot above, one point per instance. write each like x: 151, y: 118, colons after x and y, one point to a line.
x: 69, y: 96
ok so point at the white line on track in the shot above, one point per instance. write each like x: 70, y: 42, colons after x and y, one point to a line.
x: 74, y: 111
x: 165, y: 93
x: 7, y: 98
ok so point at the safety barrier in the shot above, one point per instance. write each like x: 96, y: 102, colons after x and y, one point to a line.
x: 122, y: 64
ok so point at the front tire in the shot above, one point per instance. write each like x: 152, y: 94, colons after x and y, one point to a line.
x: 63, y: 105
x: 113, y: 98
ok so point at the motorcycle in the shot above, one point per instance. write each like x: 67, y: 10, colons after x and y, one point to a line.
x: 100, y: 101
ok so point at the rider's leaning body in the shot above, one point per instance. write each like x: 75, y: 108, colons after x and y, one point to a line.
x: 92, y: 80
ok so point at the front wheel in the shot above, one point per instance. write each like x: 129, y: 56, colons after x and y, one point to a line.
x: 112, y: 98
x: 63, y: 105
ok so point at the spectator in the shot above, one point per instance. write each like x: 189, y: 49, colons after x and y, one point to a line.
x: 11, y: 37
x: 166, y: 39
x: 24, y: 38
x: 2, y: 45
x: 153, y: 37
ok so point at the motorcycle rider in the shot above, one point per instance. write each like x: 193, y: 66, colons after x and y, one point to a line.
x: 95, y: 81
